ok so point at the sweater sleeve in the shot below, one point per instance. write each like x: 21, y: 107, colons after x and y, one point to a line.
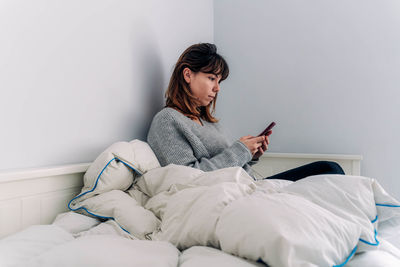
x: 172, y: 143
x: 253, y: 161
x: 235, y: 155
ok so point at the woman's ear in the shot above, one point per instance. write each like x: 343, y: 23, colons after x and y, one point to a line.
x: 187, y: 73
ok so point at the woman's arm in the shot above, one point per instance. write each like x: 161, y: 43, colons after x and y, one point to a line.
x: 233, y: 156
x: 173, y: 143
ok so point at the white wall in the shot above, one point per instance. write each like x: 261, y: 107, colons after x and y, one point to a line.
x: 76, y: 76
x: 326, y: 71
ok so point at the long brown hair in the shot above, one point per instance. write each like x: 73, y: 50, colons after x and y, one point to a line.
x: 201, y: 57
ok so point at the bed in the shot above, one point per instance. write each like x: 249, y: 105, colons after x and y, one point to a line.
x: 37, y: 227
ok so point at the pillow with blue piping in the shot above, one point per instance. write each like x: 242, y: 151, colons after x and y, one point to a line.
x: 286, y: 230
x: 116, y: 169
x: 349, y: 197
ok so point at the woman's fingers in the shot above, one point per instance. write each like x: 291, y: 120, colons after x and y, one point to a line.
x: 258, y: 144
x: 264, y: 144
x: 253, y: 146
x: 260, y: 138
x: 247, y: 137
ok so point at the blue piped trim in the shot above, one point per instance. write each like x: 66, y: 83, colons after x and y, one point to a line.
x: 373, y: 221
x: 369, y: 243
x: 348, y: 258
x: 98, y: 178
x: 355, y: 249
x: 94, y: 187
x: 104, y: 217
x: 362, y: 240
x: 388, y: 205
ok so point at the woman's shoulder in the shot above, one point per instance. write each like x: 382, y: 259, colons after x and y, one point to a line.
x: 167, y: 114
x: 169, y: 117
x: 167, y: 120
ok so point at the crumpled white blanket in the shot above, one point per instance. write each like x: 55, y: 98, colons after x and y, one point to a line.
x: 318, y: 221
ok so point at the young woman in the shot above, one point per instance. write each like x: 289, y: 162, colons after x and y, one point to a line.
x: 186, y: 133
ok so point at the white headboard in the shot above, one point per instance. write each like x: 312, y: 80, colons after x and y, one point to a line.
x: 273, y: 163
x: 36, y: 196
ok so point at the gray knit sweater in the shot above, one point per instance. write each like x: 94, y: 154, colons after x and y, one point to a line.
x: 177, y: 139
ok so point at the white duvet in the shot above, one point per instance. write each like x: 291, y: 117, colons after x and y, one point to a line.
x: 318, y: 221
x: 218, y: 218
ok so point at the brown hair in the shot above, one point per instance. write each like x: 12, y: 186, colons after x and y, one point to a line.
x: 201, y: 57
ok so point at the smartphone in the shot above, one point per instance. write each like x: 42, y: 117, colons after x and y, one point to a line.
x: 269, y: 127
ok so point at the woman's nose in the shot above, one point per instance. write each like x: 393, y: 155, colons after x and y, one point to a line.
x: 216, y: 87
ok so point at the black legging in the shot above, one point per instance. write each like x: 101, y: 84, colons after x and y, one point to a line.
x: 315, y: 168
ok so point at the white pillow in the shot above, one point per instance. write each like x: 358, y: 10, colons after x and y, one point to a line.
x: 116, y: 168
x: 125, y: 210
x: 285, y: 230
x: 349, y: 197
x: 104, y: 182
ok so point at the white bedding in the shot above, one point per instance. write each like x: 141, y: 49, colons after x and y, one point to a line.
x: 318, y: 221
x: 108, y: 250
x: 51, y: 245
x: 19, y: 248
x: 326, y: 220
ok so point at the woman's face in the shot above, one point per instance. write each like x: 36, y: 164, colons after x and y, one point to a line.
x: 204, y: 86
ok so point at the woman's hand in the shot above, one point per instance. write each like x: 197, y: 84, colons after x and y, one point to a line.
x: 256, y: 144
x: 262, y: 148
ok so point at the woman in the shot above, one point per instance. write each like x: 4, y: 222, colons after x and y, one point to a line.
x: 186, y: 133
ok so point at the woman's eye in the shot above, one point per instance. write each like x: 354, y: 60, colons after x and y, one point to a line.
x: 212, y: 78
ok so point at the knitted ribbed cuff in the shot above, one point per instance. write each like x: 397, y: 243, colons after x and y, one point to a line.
x: 242, y: 151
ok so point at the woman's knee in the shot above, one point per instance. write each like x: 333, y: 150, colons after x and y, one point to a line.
x: 330, y: 167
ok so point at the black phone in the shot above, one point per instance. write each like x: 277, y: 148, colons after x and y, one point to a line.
x: 269, y: 127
